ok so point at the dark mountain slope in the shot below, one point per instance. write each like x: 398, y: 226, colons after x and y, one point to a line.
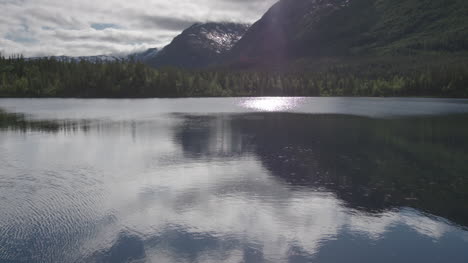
x: 298, y: 28
x: 200, y: 45
x: 144, y: 56
x: 286, y: 23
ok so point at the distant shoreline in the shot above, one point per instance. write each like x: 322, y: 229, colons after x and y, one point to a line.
x: 445, y: 77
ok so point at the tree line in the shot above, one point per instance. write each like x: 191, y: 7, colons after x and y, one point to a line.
x: 48, y: 77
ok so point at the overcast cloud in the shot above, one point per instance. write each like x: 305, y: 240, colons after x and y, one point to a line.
x: 93, y: 27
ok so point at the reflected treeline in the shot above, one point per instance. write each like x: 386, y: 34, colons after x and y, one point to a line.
x: 372, y: 164
x: 213, y: 137
x: 19, y: 122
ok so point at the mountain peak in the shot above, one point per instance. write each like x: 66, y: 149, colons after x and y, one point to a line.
x: 202, y: 44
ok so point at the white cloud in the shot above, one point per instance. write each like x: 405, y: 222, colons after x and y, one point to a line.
x: 56, y: 27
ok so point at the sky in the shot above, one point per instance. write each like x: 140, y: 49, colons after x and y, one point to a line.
x: 96, y: 27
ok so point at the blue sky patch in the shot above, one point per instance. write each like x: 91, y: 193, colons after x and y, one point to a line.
x: 102, y: 26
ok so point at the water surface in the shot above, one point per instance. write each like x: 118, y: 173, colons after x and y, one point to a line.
x: 234, y: 180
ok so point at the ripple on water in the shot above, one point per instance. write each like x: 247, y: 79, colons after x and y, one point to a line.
x: 217, y: 188
x: 49, y: 213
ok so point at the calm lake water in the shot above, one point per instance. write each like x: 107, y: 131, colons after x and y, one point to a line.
x: 234, y: 180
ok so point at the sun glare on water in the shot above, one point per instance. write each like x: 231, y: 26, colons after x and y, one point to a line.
x: 270, y: 103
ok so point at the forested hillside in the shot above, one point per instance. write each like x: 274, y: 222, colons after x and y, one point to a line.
x: 52, y: 78
x: 294, y: 29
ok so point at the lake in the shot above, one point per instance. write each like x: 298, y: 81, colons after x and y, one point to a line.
x: 234, y: 180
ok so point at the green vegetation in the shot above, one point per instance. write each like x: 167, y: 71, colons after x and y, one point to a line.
x: 303, y: 28
x: 420, y: 25
x: 396, y: 27
x: 51, y: 78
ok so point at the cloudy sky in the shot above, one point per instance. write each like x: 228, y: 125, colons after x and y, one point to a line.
x: 94, y: 27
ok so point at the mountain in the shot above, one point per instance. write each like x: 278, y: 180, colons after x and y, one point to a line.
x: 200, y: 45
x: 93, y: 59
x: 144, y: 56
x: 314, y: 28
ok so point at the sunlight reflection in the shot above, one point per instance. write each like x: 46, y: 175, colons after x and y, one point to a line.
x: 270, y: 103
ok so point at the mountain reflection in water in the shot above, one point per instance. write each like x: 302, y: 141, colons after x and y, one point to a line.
x: 255, y: 187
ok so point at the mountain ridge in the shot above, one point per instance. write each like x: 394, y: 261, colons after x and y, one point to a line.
x: 143, y: 56
x: 293, y: 29
x: 314, y: 29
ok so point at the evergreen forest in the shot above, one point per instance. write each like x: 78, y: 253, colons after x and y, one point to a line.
x: 48, y: 77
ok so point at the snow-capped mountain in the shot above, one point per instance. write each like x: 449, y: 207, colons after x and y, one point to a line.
x: 144, y: 56
x: 93, y: 59
x: 200, y: 45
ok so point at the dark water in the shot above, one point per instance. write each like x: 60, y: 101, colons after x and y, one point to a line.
x: 234, y: 180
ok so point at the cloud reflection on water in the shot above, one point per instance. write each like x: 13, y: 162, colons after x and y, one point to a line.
x: 194, y: 188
